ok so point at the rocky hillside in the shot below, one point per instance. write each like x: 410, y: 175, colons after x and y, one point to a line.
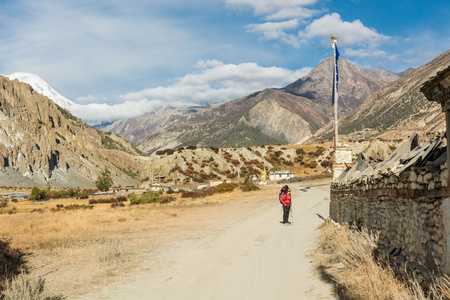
x: 398, y: 109
x: 41, y: 142
x: 273, y: 116
x: 198, y: 164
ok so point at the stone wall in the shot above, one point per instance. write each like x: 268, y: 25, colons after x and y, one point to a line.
x: 402, y: 198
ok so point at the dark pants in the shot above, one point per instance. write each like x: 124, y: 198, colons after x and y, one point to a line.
x: 286, y: 210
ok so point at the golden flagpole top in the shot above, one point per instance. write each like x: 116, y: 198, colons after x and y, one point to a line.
x: 334, y: 38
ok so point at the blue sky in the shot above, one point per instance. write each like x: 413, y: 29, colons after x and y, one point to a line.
x: 118, y: 59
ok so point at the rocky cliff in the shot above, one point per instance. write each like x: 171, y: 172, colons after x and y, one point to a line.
x: 41, y: 142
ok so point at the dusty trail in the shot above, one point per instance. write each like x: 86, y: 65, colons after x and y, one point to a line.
x: 252, y: 257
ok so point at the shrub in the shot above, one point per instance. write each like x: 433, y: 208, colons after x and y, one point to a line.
x: 60, y: 207
x: 325, y: 163
x: 225, y: 187
x: 37, y: 194
x: 249, y: 186
x: 145, y: 198
x: 313, y: 164
x: 117, y: 204
x: 108, y: 200
x: 300, y: 151
x: 166, y: 199
x: 3, y: 203
x: 199, y: 193
x: 278, y: 153
x: 214, y: 149
x: 235, y: 162
x: 319, y: 151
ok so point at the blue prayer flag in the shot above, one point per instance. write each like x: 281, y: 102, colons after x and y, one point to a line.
x: 335, y: 74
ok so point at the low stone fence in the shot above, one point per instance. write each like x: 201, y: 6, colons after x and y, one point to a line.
x: 404, y: 199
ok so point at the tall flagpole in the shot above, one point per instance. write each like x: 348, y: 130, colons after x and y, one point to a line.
x: 335, y: 90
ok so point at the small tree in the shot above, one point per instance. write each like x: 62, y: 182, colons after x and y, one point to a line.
x: 104, y: 180
x: 37, y: 194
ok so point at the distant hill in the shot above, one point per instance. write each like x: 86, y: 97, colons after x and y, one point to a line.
x: 398, y: 109
x: 42, y: 142
x: 384, y: 74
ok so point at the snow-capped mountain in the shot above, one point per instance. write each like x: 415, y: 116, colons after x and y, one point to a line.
x: 42, y: 87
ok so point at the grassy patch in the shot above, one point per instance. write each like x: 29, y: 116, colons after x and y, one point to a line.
x: 25, y: 287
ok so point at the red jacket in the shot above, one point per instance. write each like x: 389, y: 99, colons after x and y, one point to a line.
x: 286, y: 199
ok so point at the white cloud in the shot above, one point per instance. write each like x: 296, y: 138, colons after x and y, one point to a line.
x: 213, y: 82
x: 350, y: 33
x: 88, y: 98
x: 276, y: 31
x: 274, y: 9
x: 96, y: 113
x: 292, y: 11
x: 217, y: 81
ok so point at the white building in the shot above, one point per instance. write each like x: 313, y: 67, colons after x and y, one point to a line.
x: 278, y: 175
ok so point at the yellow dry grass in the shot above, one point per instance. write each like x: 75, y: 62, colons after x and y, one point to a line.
x: 346, y: 256
x: 77, y: 250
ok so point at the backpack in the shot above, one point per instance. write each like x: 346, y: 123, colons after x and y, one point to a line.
x: 283, y: 191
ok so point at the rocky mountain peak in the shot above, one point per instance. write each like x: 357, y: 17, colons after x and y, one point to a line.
x: 355, y: 85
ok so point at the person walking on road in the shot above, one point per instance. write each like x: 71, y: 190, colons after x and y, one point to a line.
x: 286, y: 202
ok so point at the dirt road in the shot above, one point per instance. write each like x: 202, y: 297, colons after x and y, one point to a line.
x: 250, y: 257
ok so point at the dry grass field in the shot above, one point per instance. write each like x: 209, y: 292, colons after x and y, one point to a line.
x: 79, y: 249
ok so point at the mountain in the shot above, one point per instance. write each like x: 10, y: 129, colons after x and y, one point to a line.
x: 398, y: 109
x: 355, y: 85
x: 384, y: 74
x: 42, y: 87
x: 268, y: 117
x: 272, y: 116
x: 403, y: 73
x: 42, y: 142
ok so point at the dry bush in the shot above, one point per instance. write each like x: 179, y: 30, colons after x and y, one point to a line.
x: 225, y: 187
x: 347, y: 257
x: 108, y: 200
x: 199, y: 193
x: 72, y: 207
x: 25, y: 287
x: 249, y: 186
x: 3, y: 203
x: 166, y: 199
x: 112, y: 250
